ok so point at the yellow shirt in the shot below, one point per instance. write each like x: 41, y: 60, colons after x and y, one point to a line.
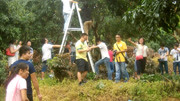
x: 122, y: 46
x: 80, y: 45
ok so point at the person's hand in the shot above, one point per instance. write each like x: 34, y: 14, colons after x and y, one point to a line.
x: 40, y: 97
x: 129, y: 39
x: 79, y: 9
x: 88, y: 49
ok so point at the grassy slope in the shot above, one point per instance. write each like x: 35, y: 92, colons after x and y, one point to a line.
x: 103, y: 90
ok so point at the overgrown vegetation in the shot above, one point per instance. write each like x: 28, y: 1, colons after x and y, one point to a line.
x: 3, y: 67
x: 104, y: 90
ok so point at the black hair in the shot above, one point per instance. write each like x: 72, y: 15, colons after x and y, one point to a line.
x: 23, y: 50
x: 84, y: 34
x: 143, y: 40
x: 162, y: 45
x: 43, y: 40
x: 109, y: 47
x: 98, y: 40
x: 28, y: 41
x: 12, y: 41
x: 14, y: 71
x: 176, y: 45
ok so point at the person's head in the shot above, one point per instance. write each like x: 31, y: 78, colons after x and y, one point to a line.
x: 162, y: 45
x: 84, y: 36
x: 98, y: 41
x: 118, y: 37
x: 109, y: 47
x: 176, y: 45
x: 29, y: 43
x: 24, y: 52
x: 141, y: 41
x: 21, y: 69
x: 20, y: 42
x: 12, y: 42
x: 44, y: 40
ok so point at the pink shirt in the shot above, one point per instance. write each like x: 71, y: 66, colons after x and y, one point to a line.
x: 13, y: 89
x: 111, y: 55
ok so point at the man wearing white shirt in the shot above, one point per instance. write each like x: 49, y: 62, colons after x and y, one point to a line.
x: 46, y: 55
x: 163, y: 53
x: 105, y: 58
x: 176, y: 56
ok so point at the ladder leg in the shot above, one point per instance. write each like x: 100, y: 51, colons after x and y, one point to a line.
x: 66, y: 29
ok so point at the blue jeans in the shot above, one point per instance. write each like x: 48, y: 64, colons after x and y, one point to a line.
x: 107, y: 63
x: 112, y: 67
x: 73, y: 57
x: 121, y: 68
x: 175, y: 64
x: 161, y: 63
x: 135, y: 66
x: 66, y: 16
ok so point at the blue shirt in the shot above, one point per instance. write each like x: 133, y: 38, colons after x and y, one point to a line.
x: 31, y: 70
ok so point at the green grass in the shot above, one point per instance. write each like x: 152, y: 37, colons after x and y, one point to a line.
x: 2, y: 93
x: 104, y: 90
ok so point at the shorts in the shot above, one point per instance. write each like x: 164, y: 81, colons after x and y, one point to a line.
x: 44, y: 66
x: 82, y: 65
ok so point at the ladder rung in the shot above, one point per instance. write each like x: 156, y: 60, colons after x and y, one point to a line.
x: 74, y: 29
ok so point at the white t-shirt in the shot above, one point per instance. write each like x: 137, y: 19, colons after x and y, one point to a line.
x: 13, y: 89
x: 175, y: 54
x: 66, y: 6
x: 104, y: 50
x: 163, y: 52
x: 141, y: 50
x: 12, y: 59
x: 46, y: 51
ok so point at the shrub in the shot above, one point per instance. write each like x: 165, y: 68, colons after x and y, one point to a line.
x: 3, y: 66
x: 61, y: 67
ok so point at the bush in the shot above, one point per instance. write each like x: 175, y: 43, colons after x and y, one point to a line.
x: 61, y: 67
x: 3, y: 66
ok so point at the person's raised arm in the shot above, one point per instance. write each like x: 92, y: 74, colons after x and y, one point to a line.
x: 24, y: 95
x: 56, y: 46
x: 94, y: 46
x: 131, y: 42
x: 36, y: 85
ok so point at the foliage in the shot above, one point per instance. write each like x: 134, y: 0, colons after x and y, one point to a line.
x: 90, y: 75
x: 152, y: 15
x: 3, y: 66
x: 60, y: 65
x: 107, y: 90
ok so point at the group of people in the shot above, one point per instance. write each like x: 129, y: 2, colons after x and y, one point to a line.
x: 22, y: 72
x: 163, y: 58
x: 110, y: 57
x: 14, y: 47
x: 117, y: 58
x: 23, y: 67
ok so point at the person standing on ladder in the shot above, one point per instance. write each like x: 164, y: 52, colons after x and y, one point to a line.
x: 66, y: 11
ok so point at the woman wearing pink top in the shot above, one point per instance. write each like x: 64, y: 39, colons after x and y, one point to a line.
x: 16, y: 85
x: 111, y: 58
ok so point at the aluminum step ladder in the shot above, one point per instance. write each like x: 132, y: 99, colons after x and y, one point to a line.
x: 67, y: 29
